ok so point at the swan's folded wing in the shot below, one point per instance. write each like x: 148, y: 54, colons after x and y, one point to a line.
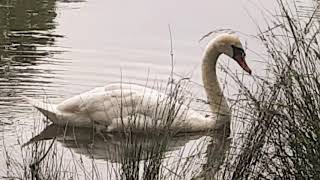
x: 106, y: 105
x: 101, y: 101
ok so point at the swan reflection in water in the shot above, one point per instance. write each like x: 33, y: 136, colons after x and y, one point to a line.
x: 181, y: 153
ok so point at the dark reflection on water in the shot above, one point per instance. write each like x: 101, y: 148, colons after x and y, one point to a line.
x: 114, y: 147
x: 26, y: 25
x: 127, y: 149
x: 26, y: 35
x: 144, y: 151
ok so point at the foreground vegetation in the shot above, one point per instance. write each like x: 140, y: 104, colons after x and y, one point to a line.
x: 282, y: 138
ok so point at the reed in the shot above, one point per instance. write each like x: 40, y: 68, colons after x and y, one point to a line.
x: 281, y: 140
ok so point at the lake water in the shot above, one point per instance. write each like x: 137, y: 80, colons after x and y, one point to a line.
x: 57, y: 49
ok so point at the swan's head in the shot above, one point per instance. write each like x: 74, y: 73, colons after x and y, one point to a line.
x: 231, y: 46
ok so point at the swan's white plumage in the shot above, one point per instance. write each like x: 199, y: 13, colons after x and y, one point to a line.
x: 102, y: 107
x: 112, y: 107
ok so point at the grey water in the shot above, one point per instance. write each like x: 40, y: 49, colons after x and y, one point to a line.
x: 56, y: 49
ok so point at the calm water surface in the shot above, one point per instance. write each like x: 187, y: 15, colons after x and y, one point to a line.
x: 57, y: 49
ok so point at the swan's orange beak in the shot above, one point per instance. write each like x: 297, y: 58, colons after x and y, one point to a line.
x: 242, y: 62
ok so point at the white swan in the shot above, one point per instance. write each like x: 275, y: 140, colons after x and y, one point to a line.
x: 111, y: 107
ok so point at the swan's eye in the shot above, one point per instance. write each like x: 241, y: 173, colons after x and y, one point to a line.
x: 238, y: 51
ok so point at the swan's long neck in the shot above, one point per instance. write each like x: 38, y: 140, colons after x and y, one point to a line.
x: 215, y: 96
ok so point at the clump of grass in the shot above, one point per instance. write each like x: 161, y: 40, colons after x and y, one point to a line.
x: 282, y: 137
x: 39, y: 160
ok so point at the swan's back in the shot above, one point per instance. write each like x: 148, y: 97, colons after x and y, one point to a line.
x: 116, y: 105
x: 110, y: 97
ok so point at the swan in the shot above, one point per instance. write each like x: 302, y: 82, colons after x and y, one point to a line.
x: 110, y: 108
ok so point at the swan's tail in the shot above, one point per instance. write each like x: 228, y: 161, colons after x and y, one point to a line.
x: 49, y: 110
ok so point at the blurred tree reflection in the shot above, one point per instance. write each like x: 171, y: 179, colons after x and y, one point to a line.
x: 26, y: 35
x: 24, y: 26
